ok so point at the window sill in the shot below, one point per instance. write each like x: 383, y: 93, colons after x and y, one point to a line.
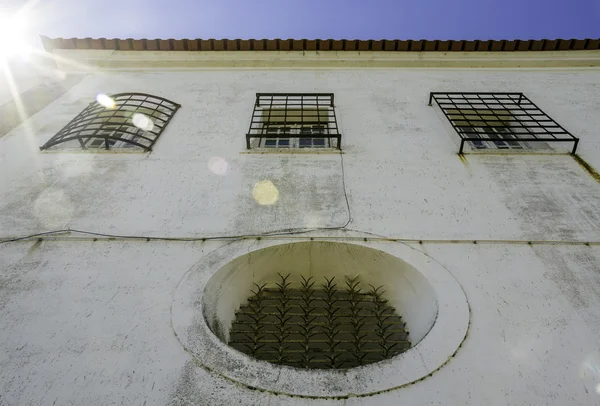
x: 128, y: 151
x: 514, y: 152
x: 287, y: 151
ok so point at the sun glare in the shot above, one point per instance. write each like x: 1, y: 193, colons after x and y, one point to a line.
x: 13, y: 30
x: 106, y: 101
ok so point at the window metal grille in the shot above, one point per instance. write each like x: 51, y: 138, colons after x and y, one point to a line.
x: 294, y: 120
x: 98, y: 126
x: 504, y: 121
x: 324, y: 323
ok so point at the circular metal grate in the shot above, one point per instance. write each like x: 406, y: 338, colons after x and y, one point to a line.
x: 320, y: 324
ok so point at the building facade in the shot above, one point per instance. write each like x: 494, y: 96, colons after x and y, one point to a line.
x: 235, y: 161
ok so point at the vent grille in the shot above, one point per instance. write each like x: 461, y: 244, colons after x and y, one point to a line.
x: 331, y: 324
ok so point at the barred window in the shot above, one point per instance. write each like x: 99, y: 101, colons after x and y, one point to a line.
x: 293, y: 120
x: 128, y: 121
x: 501, y: 121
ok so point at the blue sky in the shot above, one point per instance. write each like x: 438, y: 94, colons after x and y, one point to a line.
x: 367, y: 19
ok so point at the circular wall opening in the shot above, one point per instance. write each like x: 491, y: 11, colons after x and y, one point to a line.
x: 421, y: 292
x: 319, y: 305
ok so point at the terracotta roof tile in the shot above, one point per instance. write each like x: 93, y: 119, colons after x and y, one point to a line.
x: 485, y: 46
x: 457, y: 45
x: 243, y: 44
x: 364, y: 45
x: 498, y: 46
x: 139, y: 45
x: 579, y: 44
x: 593, y: 44
x: 259, y: 45
x: 389, y: 45
x: 98, y: 44
x: 375, y: 45
x: 124, y: 45
x: 402, y: 45
x: 164, y: 45
x: 179, y: 45
x: 470, y: 46
x: 523, y: 46
x: 110, y: 43
x: 311, y: 45
x: 564, y: 44
x: 537, y: 45
x: 272, y: 45
x: 443, y: 46
x: 150, y: 45
x: 319, y: 45
x: 82, y: 43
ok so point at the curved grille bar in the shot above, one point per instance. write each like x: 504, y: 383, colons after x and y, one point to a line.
x: 99, y: 122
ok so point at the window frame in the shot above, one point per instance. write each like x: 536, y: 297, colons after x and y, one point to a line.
x: 291, y: 142
x: 505, y: 140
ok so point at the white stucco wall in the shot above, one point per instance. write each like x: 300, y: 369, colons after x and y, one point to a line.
x: 86, y: 322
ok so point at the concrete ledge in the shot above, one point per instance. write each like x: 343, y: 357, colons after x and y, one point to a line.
x: 292, y: 151
x: 106, y: 59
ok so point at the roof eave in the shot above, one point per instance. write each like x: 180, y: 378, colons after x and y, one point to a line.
x: 130, y: 44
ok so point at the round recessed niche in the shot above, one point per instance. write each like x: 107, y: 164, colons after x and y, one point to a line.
x: 320, y: 318
x: 319, y: 304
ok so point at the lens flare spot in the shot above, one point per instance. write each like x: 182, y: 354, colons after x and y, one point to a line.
x: 142, y: 121
x: 106, y: 101
x: 265, y: 193
x: 218, y: 165
x: 598, y: 389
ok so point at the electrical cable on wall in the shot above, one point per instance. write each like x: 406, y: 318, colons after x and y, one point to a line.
x: 291, y: 231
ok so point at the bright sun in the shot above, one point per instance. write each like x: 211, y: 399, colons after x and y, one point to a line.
x: 13, y: 30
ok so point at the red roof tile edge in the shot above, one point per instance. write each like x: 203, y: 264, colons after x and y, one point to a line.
x: 131, y: 44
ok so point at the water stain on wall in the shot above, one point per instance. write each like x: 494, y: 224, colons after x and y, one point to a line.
x: 576, y: 274
x: 548, y: 196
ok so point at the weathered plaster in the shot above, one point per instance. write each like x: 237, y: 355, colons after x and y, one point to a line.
x: 86, y: 322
